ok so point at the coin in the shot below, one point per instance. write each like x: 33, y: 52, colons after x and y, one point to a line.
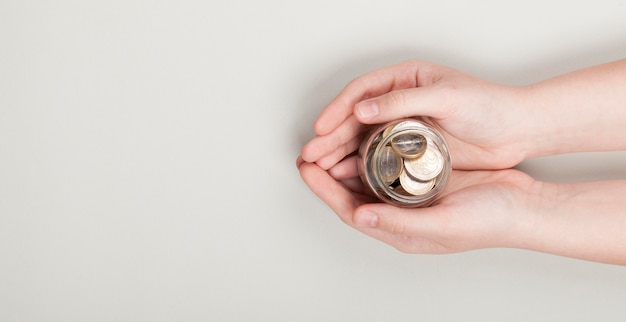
x: 409, y: 144
x: 389, y: 165
x: 415, y: 187
x: 426, y: 167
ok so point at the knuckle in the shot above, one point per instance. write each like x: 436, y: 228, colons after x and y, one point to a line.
x: 398, y: 227
x: 396, y: 99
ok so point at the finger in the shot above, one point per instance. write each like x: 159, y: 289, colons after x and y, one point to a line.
x: 414, y: 230
x: 355, y: 185
x: 340, y: 199
x: 424, y: 101
x: 345, y: 169
x: 323, y: 145
x: 409, y: 74
x: 347, y: 172
x: 299, y: 161
x: 402, y: 221
x: 330, y: 160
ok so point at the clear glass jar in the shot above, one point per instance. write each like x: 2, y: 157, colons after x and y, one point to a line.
x: 405, y: 163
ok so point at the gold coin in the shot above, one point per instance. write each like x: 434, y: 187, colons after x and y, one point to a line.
x: 389, y: 165
x: 426, y: 167
x: 415, y: 187
x: 409, y: 145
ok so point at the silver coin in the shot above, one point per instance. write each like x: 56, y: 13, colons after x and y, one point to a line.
x: 409, y: 144
x: 415, y: 187
x: 426, y: 167
x: 389, y: 165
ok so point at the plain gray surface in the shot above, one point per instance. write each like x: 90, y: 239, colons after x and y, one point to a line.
x: 147, y: 154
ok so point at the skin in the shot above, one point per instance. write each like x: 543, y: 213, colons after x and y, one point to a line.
x: 489, y: 128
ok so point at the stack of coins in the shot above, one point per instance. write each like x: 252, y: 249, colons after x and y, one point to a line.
x: 404, y: 162
x: 409, y: 164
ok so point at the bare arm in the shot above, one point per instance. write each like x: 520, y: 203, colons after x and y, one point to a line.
x: 580, y: 111
x: 583, y: 220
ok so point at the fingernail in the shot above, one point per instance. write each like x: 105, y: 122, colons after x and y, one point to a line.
x: 367, y: 110
x: 366, y: 219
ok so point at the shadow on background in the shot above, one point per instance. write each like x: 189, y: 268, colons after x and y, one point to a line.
x: 577, y: 167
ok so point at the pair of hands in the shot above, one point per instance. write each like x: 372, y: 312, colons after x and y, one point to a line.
x: 485, y: 204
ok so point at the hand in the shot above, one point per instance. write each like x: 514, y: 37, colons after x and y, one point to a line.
x: 478, y: 209
x: 483, y: 122
x: 487, y: 127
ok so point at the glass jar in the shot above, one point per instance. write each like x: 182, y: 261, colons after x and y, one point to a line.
x: 405, y: 163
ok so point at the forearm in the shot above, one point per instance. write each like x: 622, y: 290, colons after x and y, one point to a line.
x: 580, y: 111
x: 584, y: 220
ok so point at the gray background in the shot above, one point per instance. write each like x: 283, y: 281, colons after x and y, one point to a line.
x: 147, y: 153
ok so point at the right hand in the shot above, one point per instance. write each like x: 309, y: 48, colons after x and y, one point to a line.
x: 478, y: 209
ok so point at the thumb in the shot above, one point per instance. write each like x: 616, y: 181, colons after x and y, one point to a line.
x: 411, y: 230
x: 413, y: 102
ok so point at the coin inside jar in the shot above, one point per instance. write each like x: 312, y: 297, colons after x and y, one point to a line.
x: 389, y: 165
x: 427, y: 167
x: 409, y: 145
x: 404, y: 163
x: 415, y: 187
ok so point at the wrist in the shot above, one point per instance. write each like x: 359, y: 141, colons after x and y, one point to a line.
x: 540, y: 130
x: 541, y: 199
x: 527, y: 124
x: 581, y: 220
